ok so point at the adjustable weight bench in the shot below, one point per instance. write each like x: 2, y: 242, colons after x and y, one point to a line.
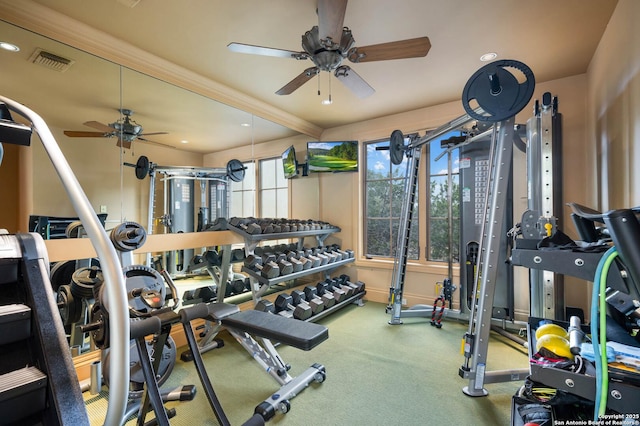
x: 241, y: 325
x: 267, y: 327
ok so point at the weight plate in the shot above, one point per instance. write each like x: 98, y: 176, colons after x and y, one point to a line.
x: 83, y: 281
x: 136, y: 377
x: 497, y: 91
x: 143, y: 277
x: 142, y: 167
x: 235, y: 170
x: 61, y: 273
x: 396, y: 147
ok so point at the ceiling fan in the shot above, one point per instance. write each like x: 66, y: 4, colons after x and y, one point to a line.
x: 125, y: 129
x: 329, y: 43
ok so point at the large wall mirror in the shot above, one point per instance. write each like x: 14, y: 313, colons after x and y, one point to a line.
x: 69, y: 87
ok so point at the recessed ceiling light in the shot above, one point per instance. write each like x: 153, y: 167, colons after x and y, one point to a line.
x: 8, y: 46
x: 245, y: 124
x: 184, y: 141
x: 488, y: 57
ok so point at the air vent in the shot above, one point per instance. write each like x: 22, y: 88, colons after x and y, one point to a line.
x: 51, y: 60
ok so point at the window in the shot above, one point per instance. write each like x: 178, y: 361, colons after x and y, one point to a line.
x: 384, y: 194
x: 272, y: 192
x: 438, y: 208
x: 385, y: 187
x: 243, y: 193
x: 274, y: 189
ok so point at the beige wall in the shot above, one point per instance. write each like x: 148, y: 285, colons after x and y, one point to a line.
x: 614, y: 112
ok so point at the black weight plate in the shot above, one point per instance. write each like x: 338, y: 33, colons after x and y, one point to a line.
x: 62, y: 273
x: 396, y: 147
x: 504, y: 103
x: 235, y: 170
x: 142, y: 167
x: 136, y: 375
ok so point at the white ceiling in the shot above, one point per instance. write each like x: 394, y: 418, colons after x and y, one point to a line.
x: 556, y: 38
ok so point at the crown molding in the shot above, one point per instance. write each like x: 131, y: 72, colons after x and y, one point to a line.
x: 49, y: 23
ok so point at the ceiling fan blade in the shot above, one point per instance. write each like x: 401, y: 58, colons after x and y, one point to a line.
x: 144, y: 140
x: 412, y: 48
x: 83, y: 134
x: 354, y: 82
x: 265, y: 51
x: 331, y: 19
x: 301, y: 79
x: 154, y: 133
x: 99, y: 126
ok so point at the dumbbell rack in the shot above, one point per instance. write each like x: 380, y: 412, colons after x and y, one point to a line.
x: 259, y: 284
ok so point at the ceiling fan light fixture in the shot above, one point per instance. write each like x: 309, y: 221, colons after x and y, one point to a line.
x: 489, y: 56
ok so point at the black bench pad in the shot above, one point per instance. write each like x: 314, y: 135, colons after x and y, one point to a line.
x: 299, y: 334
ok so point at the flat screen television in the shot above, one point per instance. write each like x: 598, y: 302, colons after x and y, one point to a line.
x: 335, y: 156
x: 289, y: 163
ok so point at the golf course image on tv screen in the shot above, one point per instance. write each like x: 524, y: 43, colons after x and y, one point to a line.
x: 289, y: 163
x: 335, y: 156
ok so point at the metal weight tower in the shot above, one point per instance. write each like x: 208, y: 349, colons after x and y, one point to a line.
x: 499, y: 97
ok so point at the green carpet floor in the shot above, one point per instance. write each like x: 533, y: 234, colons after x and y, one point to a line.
x: 377, y: 374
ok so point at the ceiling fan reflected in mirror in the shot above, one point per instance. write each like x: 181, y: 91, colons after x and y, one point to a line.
x: 329, y: 43
x: 125, y: 129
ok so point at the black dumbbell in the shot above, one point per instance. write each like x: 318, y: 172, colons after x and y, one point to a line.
x: 265, y: 306
x: 285, y: 307
x: 358, y: 286
x: 205, y: 294
x: 311, y: 294
x: 300, y: 296
x: 338, y: 294
x: 337, y: 284
x: 317, y: 260
x: 267, y: 267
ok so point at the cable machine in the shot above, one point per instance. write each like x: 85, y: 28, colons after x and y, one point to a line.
x: 178, y: 195
x: 492, y: 95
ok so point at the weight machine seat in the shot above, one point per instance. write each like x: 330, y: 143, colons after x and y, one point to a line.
x: 299, y: 334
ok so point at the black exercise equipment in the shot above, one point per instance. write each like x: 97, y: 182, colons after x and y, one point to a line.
x: 285, y: 307
x: 496, y: 90
x: 337, y: 293
x: 311, y: 295
x: 300, y: 297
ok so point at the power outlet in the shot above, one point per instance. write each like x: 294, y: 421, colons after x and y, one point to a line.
x: 103, y: 209
x: 404, y: 301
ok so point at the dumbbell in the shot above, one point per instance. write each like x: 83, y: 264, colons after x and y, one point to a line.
x: 205, y: 294
x: 265, y: 305
x: 298, y: 260
x: 346, y: 254
x: 315, y: 260
x: 338, y: 294
x: 285, y: 307
x: 237, y: 286
x: 268, y: 269
x: 311, y: 294
x: 335, y: 283
x: 280, y: 259
x: 331, y: 251
x: 299, y: 296
x: 357, y: 286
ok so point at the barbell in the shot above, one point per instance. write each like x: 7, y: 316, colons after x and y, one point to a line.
x: 235, y: 170
x: 494, y: 93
